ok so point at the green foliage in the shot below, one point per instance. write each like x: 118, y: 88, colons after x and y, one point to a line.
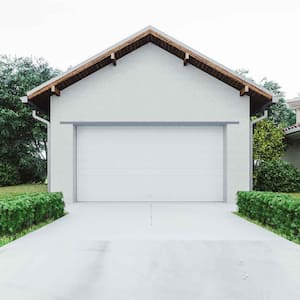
x: 279, y: 211
x: 9, y: 238
x: 8, y: 174
x: 272, y: 86
x: 22, y: 139
x: 281, y: 115
x: 276, y: 176
x: 268, y: 141
x: 279, y: 112
x: 22, y: 211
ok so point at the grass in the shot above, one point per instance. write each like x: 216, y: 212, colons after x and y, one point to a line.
x: 9, y: 238
x: 23, y: 188
x: 276, y: 231
x: 295, y: 195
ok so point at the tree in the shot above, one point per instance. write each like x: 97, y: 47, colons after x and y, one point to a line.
x: 279, y: 112
x: 22, y: 139
x: 267, y: 141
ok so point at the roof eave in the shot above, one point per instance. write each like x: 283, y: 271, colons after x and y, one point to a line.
x: 255, y: 91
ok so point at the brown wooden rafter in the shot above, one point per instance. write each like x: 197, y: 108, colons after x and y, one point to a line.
x: 244, y: 91
x: 186, y: 59
x: 40, y: 96
x: 55, y: 90
x: 113, y: 58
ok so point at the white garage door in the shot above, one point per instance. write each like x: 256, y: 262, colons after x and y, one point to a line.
x: 159, y: 163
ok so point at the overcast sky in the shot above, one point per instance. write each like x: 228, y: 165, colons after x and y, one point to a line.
x: 260, y: 35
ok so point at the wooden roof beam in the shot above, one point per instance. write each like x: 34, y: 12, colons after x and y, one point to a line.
x: 113, y: 58
x: 152, y: 35
x: 55, y: 90
x: 186, y: 59
x: 244, y: 91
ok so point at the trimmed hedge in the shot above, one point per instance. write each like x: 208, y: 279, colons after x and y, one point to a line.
x: 19, y: 212
x: 279, y: 211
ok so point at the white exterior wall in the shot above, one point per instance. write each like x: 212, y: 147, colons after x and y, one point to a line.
x: 298, y: 115
x: 149, y: 84
x: 292, y: 154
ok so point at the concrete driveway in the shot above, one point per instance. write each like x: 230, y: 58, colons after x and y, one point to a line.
x: 143, y: 252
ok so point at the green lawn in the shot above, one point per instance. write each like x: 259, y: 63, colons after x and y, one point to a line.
x: 23, y: 188
x: 295, y: 195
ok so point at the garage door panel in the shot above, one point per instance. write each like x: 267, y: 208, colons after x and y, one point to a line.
x: 142, y: 188
x: 150, y: 164
x: 153, y: 160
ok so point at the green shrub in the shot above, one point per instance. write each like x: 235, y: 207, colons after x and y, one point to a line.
x: 276, y: 176
x: 32, y: 169
x: 279, y: 211
x: 19, y: 212
x: 9, y: 175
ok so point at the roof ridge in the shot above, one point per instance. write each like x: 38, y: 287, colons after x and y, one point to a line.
x: 163, y: 40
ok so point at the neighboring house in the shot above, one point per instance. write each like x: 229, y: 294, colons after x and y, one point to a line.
x: 292, y: 136
x: 149, y: 119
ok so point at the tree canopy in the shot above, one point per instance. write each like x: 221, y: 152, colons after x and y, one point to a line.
x: 279, y: 112
x: 268, y: 135
x: 22, y: 139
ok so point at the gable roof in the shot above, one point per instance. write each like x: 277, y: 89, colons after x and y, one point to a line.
x: 40, y: 96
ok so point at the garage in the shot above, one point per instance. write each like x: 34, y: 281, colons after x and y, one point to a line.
x: 150, y: 163
x: 149, y: 119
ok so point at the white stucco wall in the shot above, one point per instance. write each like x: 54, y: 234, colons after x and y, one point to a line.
x: 149, y: 85
x: 292, y: 154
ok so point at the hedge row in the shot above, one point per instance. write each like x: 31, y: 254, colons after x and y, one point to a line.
x: 19, y: 212
x: 279, y: 211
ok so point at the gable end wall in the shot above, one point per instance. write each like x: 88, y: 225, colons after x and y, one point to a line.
x: 149, y: 84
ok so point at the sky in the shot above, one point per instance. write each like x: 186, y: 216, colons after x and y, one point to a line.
x: 260, y: 35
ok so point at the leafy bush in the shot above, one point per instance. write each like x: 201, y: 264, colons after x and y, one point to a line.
x: 32, y: 169
x: 268, y: 141
x: 276, y: 176
x: 9, y: 175
x: 280, y: 212
x: 18, y: 212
